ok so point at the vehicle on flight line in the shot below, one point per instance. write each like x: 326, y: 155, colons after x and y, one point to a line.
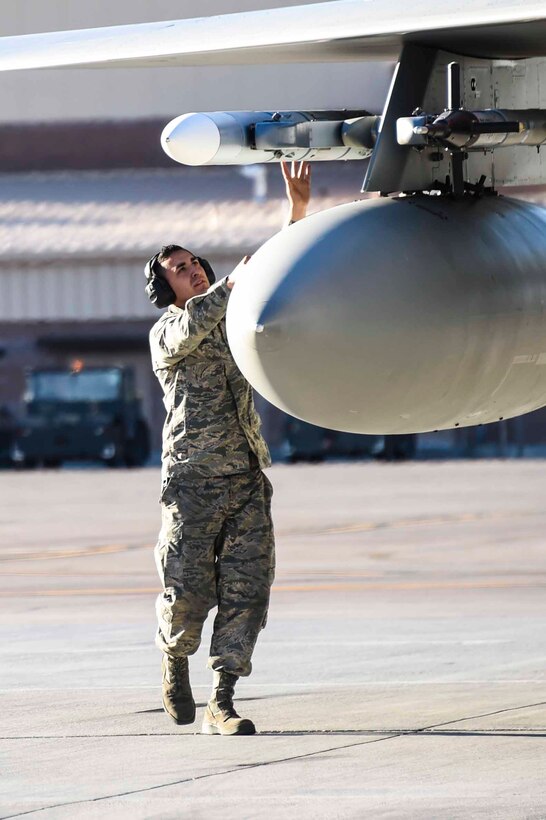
x: 8, y: 432
x: 81, y: 414
x: 307, y: 442
x: 421, y: 309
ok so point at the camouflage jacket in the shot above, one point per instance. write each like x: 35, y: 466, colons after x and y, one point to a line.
x: 211, y: 426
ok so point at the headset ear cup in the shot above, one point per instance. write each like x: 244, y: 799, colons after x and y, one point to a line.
x: 160, y: 293
x: 208, y: 270
x: 158, y: 290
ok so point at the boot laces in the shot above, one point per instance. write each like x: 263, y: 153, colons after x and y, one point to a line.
x: 178, y: 671
x: 225, y: 693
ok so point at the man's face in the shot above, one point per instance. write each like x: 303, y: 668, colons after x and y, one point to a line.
x: 185, y: 275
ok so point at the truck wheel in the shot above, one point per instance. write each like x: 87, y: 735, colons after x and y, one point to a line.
x: 137, y: 449
x: 25, y: 464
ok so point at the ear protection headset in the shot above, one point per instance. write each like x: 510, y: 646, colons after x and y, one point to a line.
x: 158, y: 290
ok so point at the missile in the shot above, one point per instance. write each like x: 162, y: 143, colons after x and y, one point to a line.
x: 248, y: 137
x: 398, y: 315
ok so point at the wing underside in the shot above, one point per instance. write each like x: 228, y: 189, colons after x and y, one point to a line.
x: 340, y: 30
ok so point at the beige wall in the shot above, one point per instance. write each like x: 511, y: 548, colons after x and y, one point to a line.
x: 134, y: 93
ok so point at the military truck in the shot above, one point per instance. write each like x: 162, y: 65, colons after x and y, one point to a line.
x: 81, y: 414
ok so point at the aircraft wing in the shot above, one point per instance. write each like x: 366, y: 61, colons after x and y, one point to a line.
x: 340, y: 30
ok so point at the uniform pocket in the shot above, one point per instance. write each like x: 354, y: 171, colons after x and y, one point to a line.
x: 268, y: 486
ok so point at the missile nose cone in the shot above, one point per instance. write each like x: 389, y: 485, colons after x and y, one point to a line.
x: 192, y: 139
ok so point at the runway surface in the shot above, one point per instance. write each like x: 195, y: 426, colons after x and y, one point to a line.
x: 401, y: 674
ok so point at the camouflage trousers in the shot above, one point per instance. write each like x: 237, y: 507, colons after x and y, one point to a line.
x: 215, y: 548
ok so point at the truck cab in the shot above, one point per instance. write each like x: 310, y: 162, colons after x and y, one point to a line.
x: 82, y: 414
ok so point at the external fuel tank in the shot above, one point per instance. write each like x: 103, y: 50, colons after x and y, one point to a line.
x: 398, y: 315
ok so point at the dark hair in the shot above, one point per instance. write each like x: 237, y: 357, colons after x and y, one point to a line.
x: 163, y: 254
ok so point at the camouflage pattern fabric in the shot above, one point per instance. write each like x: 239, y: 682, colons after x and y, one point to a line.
x: 215, y: 549
x: 211, y: 426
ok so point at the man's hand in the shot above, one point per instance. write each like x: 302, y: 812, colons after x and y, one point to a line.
x: 232, y: 278
x: 297, y: 177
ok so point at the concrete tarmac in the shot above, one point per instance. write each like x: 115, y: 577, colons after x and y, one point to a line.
x: 401, y: 674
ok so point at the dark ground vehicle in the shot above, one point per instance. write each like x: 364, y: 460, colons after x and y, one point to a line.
x: 83, y: 414
x: 308, y: 442
x: 398, y: 448
x: 8, y: 432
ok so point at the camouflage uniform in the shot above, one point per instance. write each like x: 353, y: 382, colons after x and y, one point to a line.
x: 216, y: 545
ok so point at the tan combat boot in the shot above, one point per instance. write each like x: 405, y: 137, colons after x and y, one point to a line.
x: 220, y: 715
x: 178, y: 700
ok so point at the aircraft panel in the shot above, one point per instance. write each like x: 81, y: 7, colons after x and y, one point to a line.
x: 507, y: 85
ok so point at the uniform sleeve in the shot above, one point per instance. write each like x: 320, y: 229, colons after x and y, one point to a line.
x: 179, y: 334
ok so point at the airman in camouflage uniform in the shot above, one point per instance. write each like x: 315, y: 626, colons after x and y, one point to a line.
x: 216, y: 543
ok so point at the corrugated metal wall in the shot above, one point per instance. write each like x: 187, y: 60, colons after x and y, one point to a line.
x: 83, y: 290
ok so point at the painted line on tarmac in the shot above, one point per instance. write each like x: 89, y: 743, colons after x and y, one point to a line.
x: 364, y: 526
x: 429, y: 521
x: 411, y: 585
x: 418, y: 642
x: 282, y: 574
x: 512, y: 731
x: 56, y: 573
x: 334, y: 587
x: 103, y: 549
x: 99, y: 650
x: 241, y: 687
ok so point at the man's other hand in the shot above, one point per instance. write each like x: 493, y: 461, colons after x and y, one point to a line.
x: 232, y: 278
